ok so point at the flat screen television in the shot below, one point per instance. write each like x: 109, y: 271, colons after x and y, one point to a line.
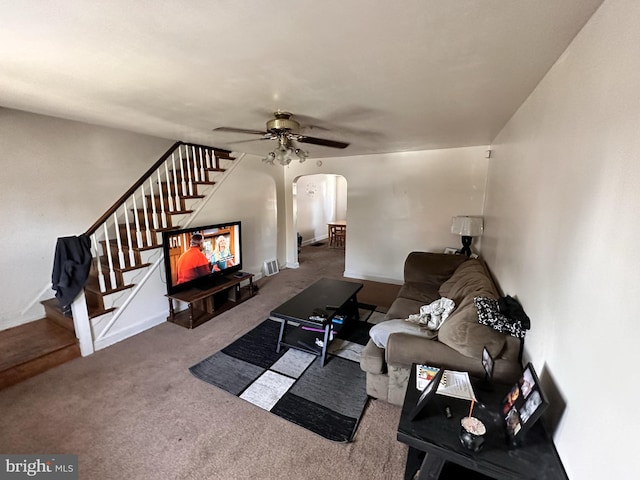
x: 199, y: 257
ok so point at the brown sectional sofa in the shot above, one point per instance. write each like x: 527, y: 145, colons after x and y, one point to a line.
x: 458, y: 346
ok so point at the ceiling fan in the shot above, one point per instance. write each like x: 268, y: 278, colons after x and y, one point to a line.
x: 282, y: 125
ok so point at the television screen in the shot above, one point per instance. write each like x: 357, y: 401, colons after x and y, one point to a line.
x: 196, y: 257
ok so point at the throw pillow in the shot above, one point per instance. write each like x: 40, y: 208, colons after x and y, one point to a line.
x: 489, y: 314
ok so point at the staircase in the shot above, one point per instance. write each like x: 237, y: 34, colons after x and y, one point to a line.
x: 35, y: 347
x: 126, y: 248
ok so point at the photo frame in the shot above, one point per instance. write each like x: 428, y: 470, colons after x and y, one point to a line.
x: 450, y: 251
x: 427, y: 393
x: 524, y: 404
x: 487, y: 363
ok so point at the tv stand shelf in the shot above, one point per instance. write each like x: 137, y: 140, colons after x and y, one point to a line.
x: 204, y: 304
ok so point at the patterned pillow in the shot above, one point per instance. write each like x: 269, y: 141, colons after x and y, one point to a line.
x: 489, y: 314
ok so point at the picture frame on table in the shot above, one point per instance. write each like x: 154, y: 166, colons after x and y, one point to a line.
x: 427, y: 393
x: 524, y: 404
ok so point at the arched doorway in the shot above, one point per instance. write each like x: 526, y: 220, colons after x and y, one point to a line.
x: 317, y: 200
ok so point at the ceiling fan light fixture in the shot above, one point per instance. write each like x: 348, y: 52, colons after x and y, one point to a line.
x: 301, y: 154
x: 285, y: 129
x: 270, y: 158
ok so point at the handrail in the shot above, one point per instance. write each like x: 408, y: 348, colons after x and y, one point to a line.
x: 94, y: 228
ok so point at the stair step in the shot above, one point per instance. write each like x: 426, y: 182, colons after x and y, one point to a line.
x: 104, y: 261
x: 33, y: 348
x: 93, y: 286
x: 53, y: 311
x: 97, y: 313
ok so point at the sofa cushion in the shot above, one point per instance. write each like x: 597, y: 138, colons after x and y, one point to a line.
x: 402, y: 308
x: 462, y: 332
x: 431, y: 269
x: 372, y: 359
x: 420, y: 292
x: 470, y: 274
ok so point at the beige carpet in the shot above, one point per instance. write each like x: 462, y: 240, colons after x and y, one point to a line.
x: 133, y: 410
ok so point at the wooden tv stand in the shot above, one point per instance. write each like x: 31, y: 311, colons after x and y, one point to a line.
x: 204, y: 304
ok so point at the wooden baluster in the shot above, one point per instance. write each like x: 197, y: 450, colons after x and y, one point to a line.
x: 196, y: 175
x: 184, y: 183
x: 175, y: 183
x: 132, y: 257
x: 168, y: 178
x: 163, y: 214
x: 116, y: 225
x: 146, y: 216
x: 203, y: 176
x: 154, y: 215
x: 189, y: 172
x: 103, y: 287
x: 137, y: 219
x: 112, y: 272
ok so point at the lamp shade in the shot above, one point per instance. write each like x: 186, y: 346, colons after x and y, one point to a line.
x: 467, y: 226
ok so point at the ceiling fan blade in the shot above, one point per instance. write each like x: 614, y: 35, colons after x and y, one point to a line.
x: 239, y: 130
x: 247, y: 141
x: 321, y: 141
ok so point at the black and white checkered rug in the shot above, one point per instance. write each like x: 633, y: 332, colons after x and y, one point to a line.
x: 326, y: 400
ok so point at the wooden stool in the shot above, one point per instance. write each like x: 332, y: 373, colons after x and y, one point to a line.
x: 338, y: 236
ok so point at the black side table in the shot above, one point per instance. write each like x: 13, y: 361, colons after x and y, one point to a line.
x: 437, y: 436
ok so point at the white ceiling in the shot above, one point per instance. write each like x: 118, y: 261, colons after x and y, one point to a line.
x: 386, y: 76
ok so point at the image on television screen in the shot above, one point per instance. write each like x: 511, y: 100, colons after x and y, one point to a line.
x: 199, y: 253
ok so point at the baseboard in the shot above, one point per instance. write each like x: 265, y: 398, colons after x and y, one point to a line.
x: 130, y: 331
x: 373, y: 278
x: 322, y: 238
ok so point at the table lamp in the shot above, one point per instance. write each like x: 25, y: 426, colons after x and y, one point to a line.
x: 467, y: 227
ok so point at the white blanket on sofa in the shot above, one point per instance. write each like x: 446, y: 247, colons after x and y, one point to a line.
x: 423, y: 324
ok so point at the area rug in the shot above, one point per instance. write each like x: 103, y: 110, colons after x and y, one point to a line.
x: 328, y: 401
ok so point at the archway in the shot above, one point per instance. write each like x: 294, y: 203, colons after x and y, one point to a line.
x: 317, y: 200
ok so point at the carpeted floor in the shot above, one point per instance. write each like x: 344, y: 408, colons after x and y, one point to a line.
x: 134, y: 411
x: 328, y: 400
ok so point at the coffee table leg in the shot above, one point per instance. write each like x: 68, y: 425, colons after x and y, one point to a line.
x: 353, y: 308
x: 325, y: 344
x: 282, y: 327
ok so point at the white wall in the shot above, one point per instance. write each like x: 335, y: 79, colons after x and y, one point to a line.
x: 249, y: 194
x: 562, y: 234
x: 58, y: 178
x: 399, y: 202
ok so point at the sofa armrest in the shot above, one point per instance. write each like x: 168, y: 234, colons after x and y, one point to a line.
x: 404, y: 349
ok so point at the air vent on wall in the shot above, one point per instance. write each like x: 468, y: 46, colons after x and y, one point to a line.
x: 271, y: 267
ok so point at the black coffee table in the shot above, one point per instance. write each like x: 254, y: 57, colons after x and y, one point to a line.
x: 437, y: 436
x: 328, y: 298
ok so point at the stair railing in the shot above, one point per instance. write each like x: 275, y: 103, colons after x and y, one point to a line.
x: 142, y: 232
